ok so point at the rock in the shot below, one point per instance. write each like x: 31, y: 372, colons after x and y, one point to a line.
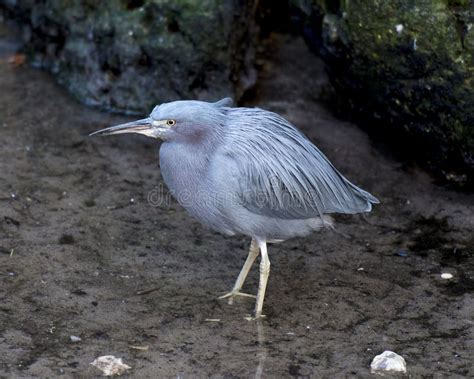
x: 446, y: 275
x: 388, y: 362
x: 405, y: 67
x: 110, y: 366
x: 129, y: 55
x: 75, y: 338
x: 402, y: 253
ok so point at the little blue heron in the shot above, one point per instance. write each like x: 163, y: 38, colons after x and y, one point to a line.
x: 246, y: 171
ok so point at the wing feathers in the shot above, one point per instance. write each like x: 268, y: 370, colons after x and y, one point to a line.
x: 283, y: 174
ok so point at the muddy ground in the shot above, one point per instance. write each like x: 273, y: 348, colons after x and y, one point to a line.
x: 84, y: 253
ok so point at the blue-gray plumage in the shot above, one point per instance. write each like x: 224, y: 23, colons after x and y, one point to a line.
x: 246, y: 171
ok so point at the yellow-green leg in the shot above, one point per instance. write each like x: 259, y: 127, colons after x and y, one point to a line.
x: 264, y: 274
x: 253, y: 253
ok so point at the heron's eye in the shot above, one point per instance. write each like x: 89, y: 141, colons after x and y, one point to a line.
x: 170, y: 122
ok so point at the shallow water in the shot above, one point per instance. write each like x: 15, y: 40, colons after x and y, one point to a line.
x: 83, y: 253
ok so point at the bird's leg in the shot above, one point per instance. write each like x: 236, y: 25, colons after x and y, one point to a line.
x: 264, y: 273
x: 253, y: 253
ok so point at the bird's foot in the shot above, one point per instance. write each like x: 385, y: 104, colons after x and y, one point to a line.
x: 255, y: 317
x: 232, y: 294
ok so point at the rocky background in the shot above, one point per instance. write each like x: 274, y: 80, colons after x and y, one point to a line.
x: 129, y: 55
x: 404, y: 70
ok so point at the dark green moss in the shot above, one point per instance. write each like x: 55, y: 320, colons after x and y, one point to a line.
x: 129, y: 55
x: 407, y: 66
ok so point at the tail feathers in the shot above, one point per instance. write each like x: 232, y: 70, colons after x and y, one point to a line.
x: 370, y: 198
x: 322, y: 222
x: 365, y: 199
x: 327, y: 222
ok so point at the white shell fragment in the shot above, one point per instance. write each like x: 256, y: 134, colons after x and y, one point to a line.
x: 446, y: 275
x: 388, y: 362
x: 75, y: 338
x: 110, y: 366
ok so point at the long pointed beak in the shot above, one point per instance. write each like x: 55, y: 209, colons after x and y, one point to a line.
x: 143, y: 126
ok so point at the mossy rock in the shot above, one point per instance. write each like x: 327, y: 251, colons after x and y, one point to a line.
x: 129, y: 55
x: 404, y: 65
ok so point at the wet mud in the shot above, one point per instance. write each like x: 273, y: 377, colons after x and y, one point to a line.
x: 85, y: 252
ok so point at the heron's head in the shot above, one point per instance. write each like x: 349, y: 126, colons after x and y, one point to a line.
x: 179, y: 120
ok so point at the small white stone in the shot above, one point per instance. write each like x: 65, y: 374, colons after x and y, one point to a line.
x: 399, y: 28
x: 446, y: 275
x: 75, y: 338
x: 110, y: 366
x: 388, y: 362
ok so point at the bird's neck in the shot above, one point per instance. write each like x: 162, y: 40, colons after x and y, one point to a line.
x: 184, y: 166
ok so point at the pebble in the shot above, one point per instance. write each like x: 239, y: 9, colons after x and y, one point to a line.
x: 402, y: 253
x: 388, y: 362
x: 75, y: 338
x: 446, y: 275
x: 110, y: 365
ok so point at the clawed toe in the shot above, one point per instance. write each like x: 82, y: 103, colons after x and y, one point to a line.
x: 233, y: 294
x: 236, y: 293
x: 254, y: 318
